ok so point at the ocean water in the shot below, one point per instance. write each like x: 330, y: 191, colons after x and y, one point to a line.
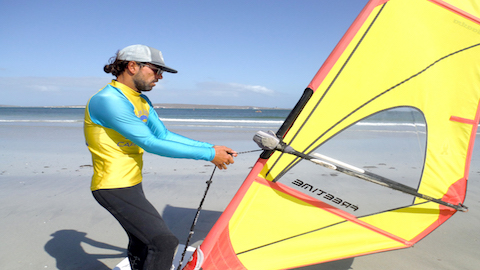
x: 205, y: 118
x: 194, y: 118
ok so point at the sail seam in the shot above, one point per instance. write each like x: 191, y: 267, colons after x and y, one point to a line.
x: 456, y: 10
x: 462, y: 120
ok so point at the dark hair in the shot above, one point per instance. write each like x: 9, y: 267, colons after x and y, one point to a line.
x: 115, y: 66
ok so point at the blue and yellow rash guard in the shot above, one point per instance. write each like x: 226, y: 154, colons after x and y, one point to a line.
x: 120, y: 124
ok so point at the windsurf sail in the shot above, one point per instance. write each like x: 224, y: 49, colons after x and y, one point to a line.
x: 399, y: 57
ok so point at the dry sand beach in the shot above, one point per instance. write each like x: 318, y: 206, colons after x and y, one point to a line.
x: 49, y: 219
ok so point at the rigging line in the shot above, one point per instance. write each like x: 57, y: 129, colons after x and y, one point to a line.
x: 327, y: 90
x: 392, y: 209
x: 197, y: 214
x: 251, y: 151
x: 192, y: 228
x: 291, y: 237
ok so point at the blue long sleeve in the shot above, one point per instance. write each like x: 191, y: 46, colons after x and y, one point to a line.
x: 111, y: 109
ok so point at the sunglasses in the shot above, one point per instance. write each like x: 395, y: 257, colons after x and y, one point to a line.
x: 155, y: 69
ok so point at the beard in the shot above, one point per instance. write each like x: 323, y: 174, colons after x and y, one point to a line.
x: 141, y: 84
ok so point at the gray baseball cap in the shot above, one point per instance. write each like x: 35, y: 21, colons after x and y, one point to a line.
x: 142, y: 53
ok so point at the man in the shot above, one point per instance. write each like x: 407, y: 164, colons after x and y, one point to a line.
x: 120, y: 123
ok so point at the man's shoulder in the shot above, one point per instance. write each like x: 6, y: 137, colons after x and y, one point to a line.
x: 109, y: 92
x: 108, y: 99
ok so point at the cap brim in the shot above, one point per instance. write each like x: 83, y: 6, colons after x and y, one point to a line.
x: 164, y: 68
x: 167, y: 69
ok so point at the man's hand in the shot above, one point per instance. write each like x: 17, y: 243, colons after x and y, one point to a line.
x: 223, y: 156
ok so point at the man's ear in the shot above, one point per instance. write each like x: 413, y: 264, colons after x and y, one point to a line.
x: 132, y: 67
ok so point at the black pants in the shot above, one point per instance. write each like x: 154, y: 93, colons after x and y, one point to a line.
x: 152, y: 245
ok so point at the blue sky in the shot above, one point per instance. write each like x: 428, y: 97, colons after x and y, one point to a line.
x: 252, y: 52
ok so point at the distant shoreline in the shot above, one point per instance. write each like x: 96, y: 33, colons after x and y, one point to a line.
x: 198, y: 106
x: 167, y: 106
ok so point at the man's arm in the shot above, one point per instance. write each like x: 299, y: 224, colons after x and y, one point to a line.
x: 117, y: 113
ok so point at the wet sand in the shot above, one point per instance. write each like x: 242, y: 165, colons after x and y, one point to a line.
x: 51, y: 221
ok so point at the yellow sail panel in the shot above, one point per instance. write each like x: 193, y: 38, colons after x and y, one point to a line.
x: 422, y: 75
x: 420, y: 55
x: 413, y: 219
x: 322, y: 235
x: 341, y: 241
x: 282, y: 211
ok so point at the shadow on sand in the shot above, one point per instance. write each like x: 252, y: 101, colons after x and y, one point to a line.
x: 66, y: 249
x: 179, y: 220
